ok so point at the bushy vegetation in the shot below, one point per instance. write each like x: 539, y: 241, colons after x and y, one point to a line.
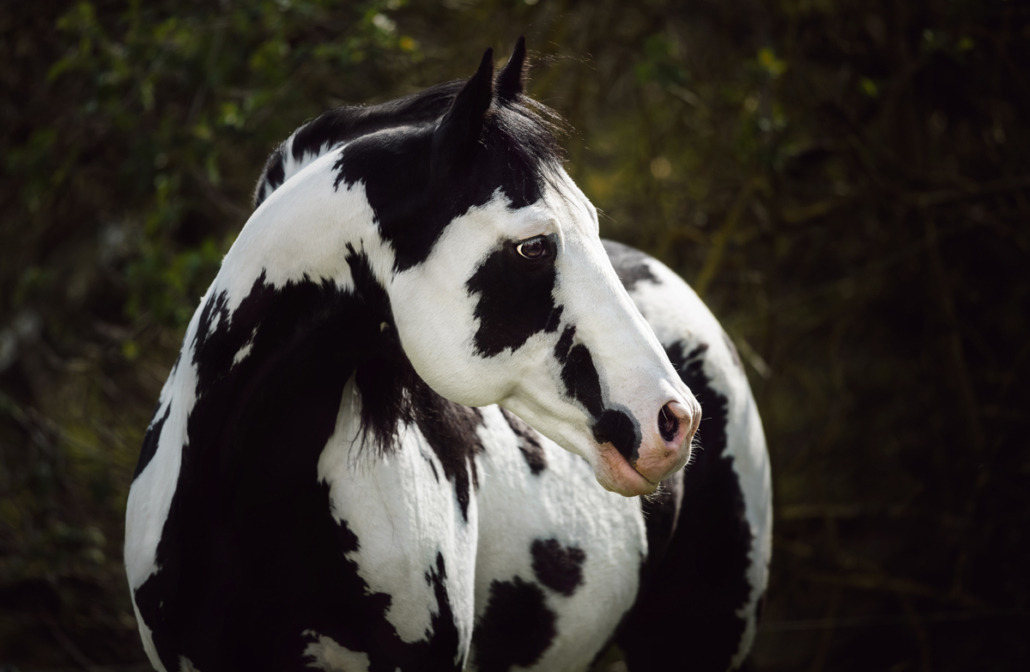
x: 846, y: 183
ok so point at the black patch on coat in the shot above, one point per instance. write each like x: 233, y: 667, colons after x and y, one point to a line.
x: 558, y: 567
x: 338, y: 126
x: 692, y: 595
x: 272, y: 177
x: 515, y: 300
x: 412, y: 208
x: 661, y: 515
x: 581, y: 382
x: 250, y: 555
x: 554, y: 320
x: 619, y: 429
x: 353, y: 121
x: 630, y: 264
x: 150, y: 440
x: 516, y: 628
x: 413, y: 203
x: 450, y: 429
x: 432, y: 465
x: 564, y: 345
x: 393, y: 395
x: 530, y: 125
x: 529, y: 442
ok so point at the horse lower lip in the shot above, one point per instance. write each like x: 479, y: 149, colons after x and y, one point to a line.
x: 643, y: 477
x: 619, y: 478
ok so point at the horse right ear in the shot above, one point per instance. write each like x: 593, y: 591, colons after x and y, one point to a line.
x: 461, y: 127
x: 511, y: 79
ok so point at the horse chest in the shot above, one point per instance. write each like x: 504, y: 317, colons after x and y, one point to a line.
x: 558, y: 559
x: 537, y: 569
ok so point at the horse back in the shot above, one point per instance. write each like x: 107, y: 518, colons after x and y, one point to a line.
x: 710, y: 533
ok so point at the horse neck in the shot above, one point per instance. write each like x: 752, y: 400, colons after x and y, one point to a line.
x: 295, y: 311
x: 305, y: 231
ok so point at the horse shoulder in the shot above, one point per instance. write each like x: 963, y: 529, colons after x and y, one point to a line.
x: 414, y: 534
x: 253, y: 515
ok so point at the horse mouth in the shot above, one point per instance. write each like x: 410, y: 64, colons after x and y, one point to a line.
x: 615, y: 473
x: 644, y: 477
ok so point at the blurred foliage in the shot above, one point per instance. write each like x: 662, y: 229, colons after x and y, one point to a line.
x: 846, y: 183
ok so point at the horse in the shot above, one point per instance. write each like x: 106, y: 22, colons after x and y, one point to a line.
x: 424, y: 418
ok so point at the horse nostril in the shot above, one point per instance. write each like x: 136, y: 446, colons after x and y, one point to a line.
x: 668, y: 423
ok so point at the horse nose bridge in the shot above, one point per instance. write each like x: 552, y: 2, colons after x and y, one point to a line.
x: 616, y: 329
x: 633, y: 362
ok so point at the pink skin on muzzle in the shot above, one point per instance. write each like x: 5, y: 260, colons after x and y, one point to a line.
x: 664, y: 450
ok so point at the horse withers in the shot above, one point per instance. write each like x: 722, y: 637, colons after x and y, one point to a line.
x: 425, y: 419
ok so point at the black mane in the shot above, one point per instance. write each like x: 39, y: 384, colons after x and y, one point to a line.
x: 528, y: 129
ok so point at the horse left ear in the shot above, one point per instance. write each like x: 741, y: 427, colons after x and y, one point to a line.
x: 511, y: 80
x: 460, y: 128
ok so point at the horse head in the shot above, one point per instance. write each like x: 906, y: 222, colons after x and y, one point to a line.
x: 501, y: 291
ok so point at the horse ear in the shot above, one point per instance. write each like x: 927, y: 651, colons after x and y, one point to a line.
x: 460, y: 128
x: 511, y: 80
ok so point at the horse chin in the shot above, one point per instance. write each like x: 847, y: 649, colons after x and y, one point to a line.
x: 614, y: 473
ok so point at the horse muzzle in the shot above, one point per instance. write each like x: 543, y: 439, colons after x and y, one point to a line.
x: 664, y: 449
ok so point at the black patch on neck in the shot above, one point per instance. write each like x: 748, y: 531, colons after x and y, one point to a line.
x: 529, y: 442
x: 630, y: 264
x: 579, y: 376
x: 694, y: 592
x: 250, y: 555
x: 516, y: 628
x: 515, y: 302
x: 558, y: 567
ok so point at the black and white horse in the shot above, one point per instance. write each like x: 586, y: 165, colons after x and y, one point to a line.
x: 412, y: 415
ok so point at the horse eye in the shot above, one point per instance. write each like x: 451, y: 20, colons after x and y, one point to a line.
x: 534, y: 248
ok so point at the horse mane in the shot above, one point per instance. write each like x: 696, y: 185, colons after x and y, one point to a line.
x: 525, y: 128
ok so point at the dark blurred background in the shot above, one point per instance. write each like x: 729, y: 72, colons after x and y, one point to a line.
x: 845, y: 182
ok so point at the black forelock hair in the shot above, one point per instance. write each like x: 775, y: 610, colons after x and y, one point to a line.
x: 530, y: 131
x: 526, y: 128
